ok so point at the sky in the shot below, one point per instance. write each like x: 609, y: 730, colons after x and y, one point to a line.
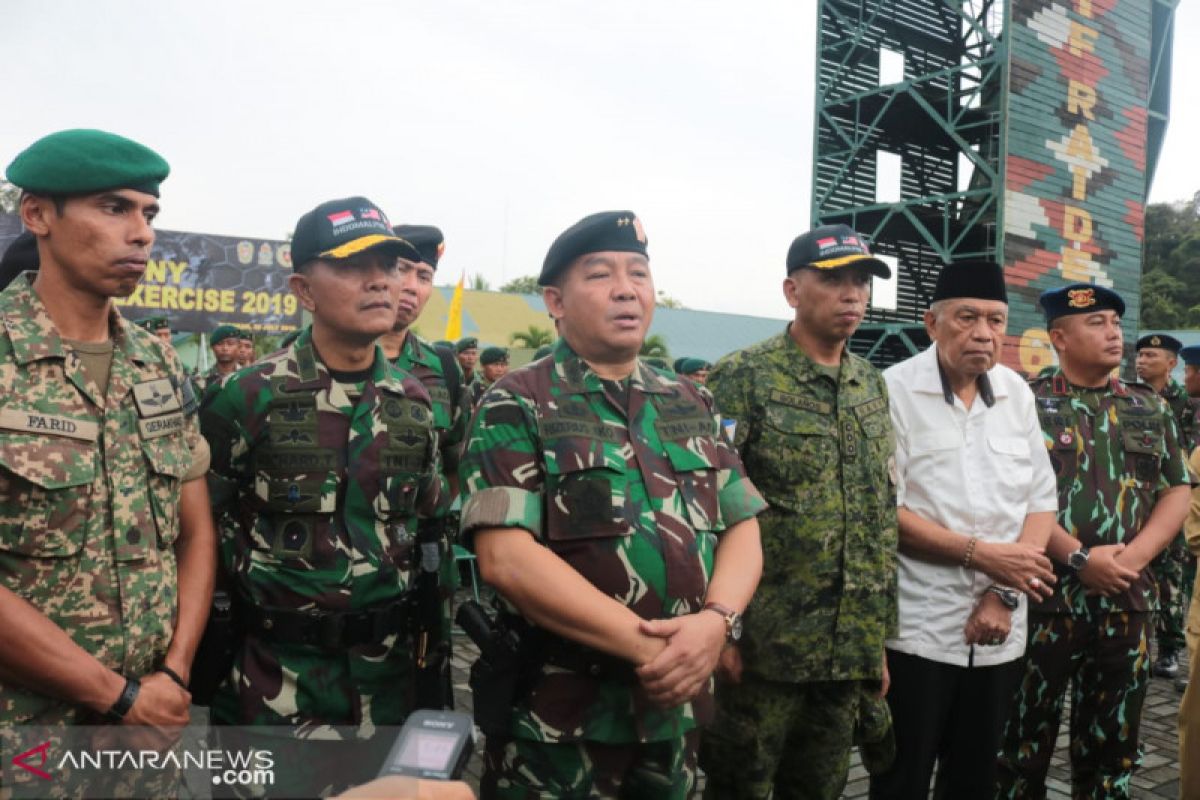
x: 502, y: 123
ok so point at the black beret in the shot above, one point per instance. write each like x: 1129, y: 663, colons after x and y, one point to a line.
x: 426, y: 238
x: 1190, y: 355
x: 1079, y: 298
x: 467, y: 343
x: 982, y: 280
x: 834, y: 247
x: 620, y: 231
x: 339, y: 229
x: 21, y: 256
x: 493, y: 355
x: 1160, y: 340
x: 83, y: 161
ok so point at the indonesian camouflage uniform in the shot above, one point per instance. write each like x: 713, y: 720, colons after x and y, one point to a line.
x: 1113, y: 449
x: 821, y: 450
x: 437, y: 565
x: 631, y: 484
x: 89, y: 494
x: 1174, y: 568
x: 325, y: 481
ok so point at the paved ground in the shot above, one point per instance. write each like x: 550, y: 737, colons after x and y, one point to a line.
x: 1158, y: 776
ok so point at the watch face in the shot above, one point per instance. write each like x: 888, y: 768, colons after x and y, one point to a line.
x: 1077, y: 560
x: 735, y: 628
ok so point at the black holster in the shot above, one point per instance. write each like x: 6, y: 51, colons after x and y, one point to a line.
x: 218, y: 646
x: 497, y: 676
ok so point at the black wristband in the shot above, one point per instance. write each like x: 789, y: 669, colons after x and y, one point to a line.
x: 173, y: 675
x: 125, y: 701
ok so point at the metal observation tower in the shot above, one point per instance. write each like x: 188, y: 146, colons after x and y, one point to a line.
x: 1021, y: 131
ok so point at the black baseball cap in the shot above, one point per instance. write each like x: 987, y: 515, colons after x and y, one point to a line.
x: 834, y: 247
x: 339, y: 229
x: 428, y: 240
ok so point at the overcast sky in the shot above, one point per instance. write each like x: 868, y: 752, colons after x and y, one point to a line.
x: 500, y: 122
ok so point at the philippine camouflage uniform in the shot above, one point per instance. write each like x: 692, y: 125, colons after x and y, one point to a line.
x: 1113, y: 449
x: 435, y: 535
x: 1174, y: 568
x: 89, y: 493
x: 822, y: 453
x: 324, y: 481
x: 631, y: 484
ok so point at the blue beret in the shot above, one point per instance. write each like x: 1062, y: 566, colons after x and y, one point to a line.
x: 426, y: 238
x: 620, y: 231
x: 1190, y: 355
x: 84, y: 161
x: 1079, y: 298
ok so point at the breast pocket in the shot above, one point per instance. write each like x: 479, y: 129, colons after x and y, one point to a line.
x: 697, y: 477
x: 296, y: 523
x: 799, y: 446
x: 1143, y: 445
x: 169, y: 458
x: 1013, y: 468
x: 45, y: 494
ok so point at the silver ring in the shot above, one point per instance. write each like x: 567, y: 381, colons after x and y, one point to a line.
x: 1034, y: 583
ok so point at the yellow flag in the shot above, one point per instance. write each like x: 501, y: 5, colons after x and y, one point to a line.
x: 454, y: 317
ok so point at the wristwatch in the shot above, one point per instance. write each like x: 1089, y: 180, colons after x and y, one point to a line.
x: 1008, y: 597
x: 1078, y: 560
x: 733, y: 620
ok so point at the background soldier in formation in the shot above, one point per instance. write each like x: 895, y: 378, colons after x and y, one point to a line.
x: 1175, y: 567
x: 1123, y: 494
x: 438, y: 372
x: 467, y: 351
x: 325, y: 454
x: 493, y: 365
x: 225, y: 345
x: 106, y: 545
x: 245, y: 348
x: 811, y: 421
x: 608, y: 512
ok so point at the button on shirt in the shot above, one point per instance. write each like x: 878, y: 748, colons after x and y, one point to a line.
x: 977, y: 472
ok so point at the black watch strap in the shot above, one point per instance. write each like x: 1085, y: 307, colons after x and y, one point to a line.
x: 125, y: 701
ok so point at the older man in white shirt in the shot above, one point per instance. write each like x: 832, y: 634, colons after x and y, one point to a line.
x: 977, y: 500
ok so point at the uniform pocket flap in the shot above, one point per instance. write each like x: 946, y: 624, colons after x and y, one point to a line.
x: 787, y: 418
x: 51, y: 462
x: 168, y: 455
x: 1009, y: 445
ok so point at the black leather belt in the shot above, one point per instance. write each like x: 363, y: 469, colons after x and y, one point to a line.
x: 330, y: 630
x: 574, y: 657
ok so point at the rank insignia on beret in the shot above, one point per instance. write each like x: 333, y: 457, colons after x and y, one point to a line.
x: 1082, y: 298
x: 1155, y: 341
x: 637, y: 227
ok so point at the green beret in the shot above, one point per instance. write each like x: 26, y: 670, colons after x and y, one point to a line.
x: 86, y: 161
x: 678, y: 363
x: 246, y: 334
x: 221, y: 333
x: 467, y: 343
x: 608, y: 230
x: 444, y: 344
x: 691, y: 366
x: 154, y: 324
x: 426, y: 238
x: 661, y: 363
x: 1079, y: 298
x: 543, y: 351
x: 1161, y: 341
x: 493, y: 355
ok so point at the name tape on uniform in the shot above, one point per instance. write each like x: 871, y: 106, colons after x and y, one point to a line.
x: 163, y: 425
x: 36, y: 422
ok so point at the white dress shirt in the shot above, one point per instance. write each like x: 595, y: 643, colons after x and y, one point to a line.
x: 977, y: 472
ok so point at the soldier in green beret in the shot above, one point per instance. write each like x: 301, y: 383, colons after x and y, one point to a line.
x: 224, y: 343
x: 106, y: 541
x: 467, y: 349
x: 245, y: 355
x: 159, y: 326
x: 811, y: 421
x: 439, y: 373
x: 695, y: 369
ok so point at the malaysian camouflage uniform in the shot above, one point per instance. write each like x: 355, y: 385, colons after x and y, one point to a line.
x: 89, y: 494
x: 634, y: 498
x: 1113, y: 449
x: 421, y: 359
x: 1175, y: 564
x: 325, y: 481
x: 822, y: 455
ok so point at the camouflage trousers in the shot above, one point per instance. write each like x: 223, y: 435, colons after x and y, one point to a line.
x: 1106, y: 661
x: 520, y: 769
x: 1170, y: 569
x: 780, y: 740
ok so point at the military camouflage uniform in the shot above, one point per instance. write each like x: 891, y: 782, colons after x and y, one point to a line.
x: 419, y: 358
x: 822, y: 454
x: 99, y: 563
x: 477, y: 388
x: 633, y: 493
x: 325, y: 481
x: 1173, y: 567
x: 1114, y: 449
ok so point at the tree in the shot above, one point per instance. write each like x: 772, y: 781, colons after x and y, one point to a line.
x: 479, y: 284
x: 1170, y: 291
x: 666, y: 301
x: 524, y: 285
x: 532, y: 337
x: 9, y: 197
x: 655, y: 347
